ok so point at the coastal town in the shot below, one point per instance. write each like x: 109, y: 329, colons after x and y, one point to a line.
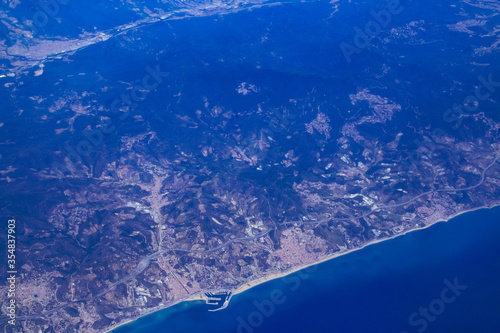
x: 190, y: 153
x: 219, y: 237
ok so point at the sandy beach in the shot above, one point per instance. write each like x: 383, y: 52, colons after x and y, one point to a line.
x: 200, y: 296
x: 278, y: 275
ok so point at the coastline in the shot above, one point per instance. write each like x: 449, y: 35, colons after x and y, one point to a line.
x: 199, y: 296
x: 279, y: 275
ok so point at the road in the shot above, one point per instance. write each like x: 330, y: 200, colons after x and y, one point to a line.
x: 145, y: 261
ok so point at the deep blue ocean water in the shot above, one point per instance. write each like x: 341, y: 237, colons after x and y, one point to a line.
x: 446, y: 278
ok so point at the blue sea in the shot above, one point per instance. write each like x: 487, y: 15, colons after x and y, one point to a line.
x: 445, y: 278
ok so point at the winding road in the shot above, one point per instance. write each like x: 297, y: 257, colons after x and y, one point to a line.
x: 145, y: 261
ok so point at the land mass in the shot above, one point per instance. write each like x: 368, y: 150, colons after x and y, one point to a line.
x: 158, y: 157
x: 245, y: 243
